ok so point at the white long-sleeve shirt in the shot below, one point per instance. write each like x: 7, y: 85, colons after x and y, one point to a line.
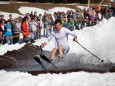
x: 61, y: 36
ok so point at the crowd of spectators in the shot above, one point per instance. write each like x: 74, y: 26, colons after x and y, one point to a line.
x: 31, y: 25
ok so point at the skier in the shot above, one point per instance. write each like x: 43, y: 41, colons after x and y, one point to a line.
x: 61, y: 36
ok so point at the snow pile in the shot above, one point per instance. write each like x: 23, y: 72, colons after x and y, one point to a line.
x: 4, y: 2
x: 62, y: 9
x: 69, y: 79
x: 31, y: 9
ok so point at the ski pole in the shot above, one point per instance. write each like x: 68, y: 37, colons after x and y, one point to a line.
x: 90, y: 52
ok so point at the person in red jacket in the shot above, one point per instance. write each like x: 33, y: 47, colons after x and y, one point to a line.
x: 25, y: 29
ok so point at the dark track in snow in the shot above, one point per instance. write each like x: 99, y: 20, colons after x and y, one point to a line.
x: 24, y: 61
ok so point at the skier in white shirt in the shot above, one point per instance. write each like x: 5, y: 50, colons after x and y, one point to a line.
x: 61, y: 36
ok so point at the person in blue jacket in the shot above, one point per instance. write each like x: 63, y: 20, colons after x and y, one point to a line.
x: 8, y: 32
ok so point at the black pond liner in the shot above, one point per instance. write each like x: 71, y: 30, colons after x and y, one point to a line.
x: 23, y: 60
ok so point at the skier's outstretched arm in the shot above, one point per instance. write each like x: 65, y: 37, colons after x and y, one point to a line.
x: 71, y: 33
x: 49, y: 38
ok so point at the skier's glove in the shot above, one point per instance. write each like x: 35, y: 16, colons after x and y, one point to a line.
x: 75, y: 39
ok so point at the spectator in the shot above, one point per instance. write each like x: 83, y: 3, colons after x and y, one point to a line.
x: 31, y: 15
x: 10, y: 18
x: 50, y: 22
x: 25, y: 29
x: 39, y: 17
x: 33, y: 29
x: 39, y: 27
x: 45, y: 24
x: 35, y: 14
x: 1, y: 31
x: 16, y: 31
x: 2, y: 17
x: 8, y: 32
x: 65, y: 22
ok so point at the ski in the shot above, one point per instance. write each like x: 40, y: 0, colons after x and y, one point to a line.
x: 37, y: 59
x: 48, y: 60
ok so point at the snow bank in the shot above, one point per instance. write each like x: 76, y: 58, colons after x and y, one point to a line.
x: 69, y: 79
